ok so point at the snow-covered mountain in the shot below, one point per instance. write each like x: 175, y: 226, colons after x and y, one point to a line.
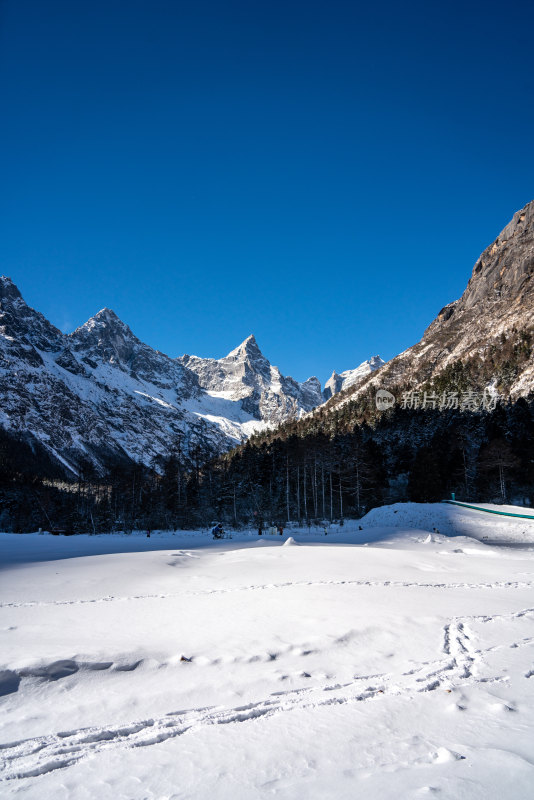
x: 351, y: 377
x: 245, y: 375
x: 99, y: 395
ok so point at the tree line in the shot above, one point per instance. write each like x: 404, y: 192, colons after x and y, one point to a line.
x: 327, y: 467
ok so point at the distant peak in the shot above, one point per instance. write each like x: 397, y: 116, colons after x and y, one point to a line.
x: 372, y: 363
x: 8, y: 290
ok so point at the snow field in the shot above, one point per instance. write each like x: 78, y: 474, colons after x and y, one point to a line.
x: 455, y: 520
x: 398, y: 667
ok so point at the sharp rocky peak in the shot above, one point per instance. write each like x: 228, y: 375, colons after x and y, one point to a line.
x: 8, y: 290
x: 106, y: 317
x: 21, y: 322
x: 247, y: 349
x: 105, y: 336
x: 105, y: 325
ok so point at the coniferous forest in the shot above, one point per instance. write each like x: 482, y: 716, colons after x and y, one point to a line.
x: 327, y: 467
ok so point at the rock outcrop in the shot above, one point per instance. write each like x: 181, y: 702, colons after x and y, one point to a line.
x: 491, y: 325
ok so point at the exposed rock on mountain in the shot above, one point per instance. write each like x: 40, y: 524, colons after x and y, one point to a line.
x: 97, y: 396
x: 246, y: 375
x: 489, y: 331
x: 100, y: 396
x: 351, y: 377
x: 105, y: 340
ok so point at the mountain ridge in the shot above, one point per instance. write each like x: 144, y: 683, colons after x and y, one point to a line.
x: 100, y: 395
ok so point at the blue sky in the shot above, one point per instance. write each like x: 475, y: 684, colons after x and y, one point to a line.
x: 321, y: 174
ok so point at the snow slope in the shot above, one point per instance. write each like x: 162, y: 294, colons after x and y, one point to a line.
x: 387, y: 663
x: 455, y: 520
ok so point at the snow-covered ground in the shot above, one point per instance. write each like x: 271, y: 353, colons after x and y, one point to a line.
x: 457, y: 520
x: 391, y: 662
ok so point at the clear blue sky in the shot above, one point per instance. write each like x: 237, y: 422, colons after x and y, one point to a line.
x: 321, y: 174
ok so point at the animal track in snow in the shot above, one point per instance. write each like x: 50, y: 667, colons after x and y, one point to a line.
x: 268, y: 586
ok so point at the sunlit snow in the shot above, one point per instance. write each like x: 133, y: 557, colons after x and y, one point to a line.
x: 387, y: 662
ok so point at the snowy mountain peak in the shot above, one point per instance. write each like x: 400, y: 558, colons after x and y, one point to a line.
x: 106, y: 337
x: 22, y: 325
x: 246, y: 376
x: 105, y: 318
x: 350, y: 377
x: 107, y: 315
x: 375, y: 362
x: 247, y: 349
x: 8, y: 290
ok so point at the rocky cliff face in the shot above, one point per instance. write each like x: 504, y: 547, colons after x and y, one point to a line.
x: 491, y: 325
x: 245, y: 375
